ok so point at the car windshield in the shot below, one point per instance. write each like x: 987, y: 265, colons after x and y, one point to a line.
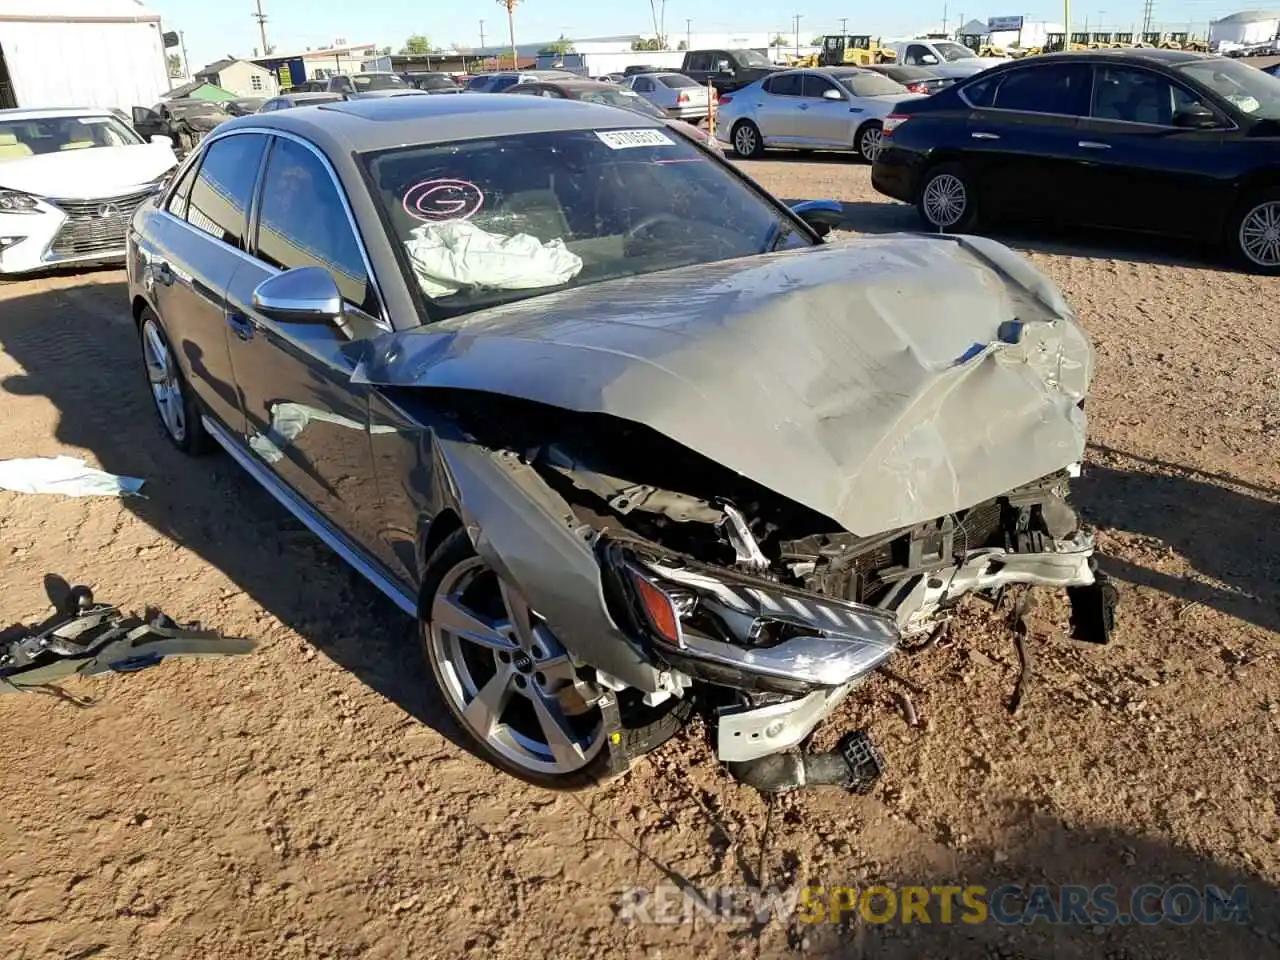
x: 1246, y: 88
x: 377, y: 81
x: 483, y: 222
x: 39, y: 135
x: 622, y: 98
x: 752, y: 58
x: 871, y: 84
x: 437, y: 81
x: 951, y: 52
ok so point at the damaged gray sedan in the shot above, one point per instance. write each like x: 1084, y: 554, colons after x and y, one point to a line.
x: 625, y: 435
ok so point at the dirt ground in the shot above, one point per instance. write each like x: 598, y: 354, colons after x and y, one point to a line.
x: 310, y: 800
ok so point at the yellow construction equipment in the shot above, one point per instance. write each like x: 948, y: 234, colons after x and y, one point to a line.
x: 856, y: 50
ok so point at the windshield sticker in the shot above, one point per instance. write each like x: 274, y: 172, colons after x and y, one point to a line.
x: 622, y: 139
x: 443, y: 199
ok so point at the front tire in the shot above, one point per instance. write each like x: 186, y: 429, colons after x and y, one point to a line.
x: 1253, y: 234
x: 174, y: 401
x: 747, y: 141
x: 868, y: 140
x: 947, y: 201
x: 505, y: 678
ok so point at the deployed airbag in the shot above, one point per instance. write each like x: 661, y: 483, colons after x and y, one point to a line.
x: 456, y: 254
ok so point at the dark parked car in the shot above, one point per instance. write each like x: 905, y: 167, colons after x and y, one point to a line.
x: 185, y: 121
x: 370, y: 84
x: 1160, y: 141
x: 915, y: 79
x: 616, y: 427
x: 244, y: 106
x: 433, y: 82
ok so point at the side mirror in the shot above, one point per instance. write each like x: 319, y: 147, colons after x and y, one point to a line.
x: 1195, y: 118
x: 144, y: 115
x: 158, y: 138
x: 822, y: 215
x: 928, y: 59
x: 830, y: 94
x: 301, y: 295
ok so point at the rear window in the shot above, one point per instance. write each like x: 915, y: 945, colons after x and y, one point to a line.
x: 483, y: 222
x: 377, y: 81
x: 677, y: 80
x: 872, y: 85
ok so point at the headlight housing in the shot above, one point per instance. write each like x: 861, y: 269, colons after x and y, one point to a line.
x: 15, y: 201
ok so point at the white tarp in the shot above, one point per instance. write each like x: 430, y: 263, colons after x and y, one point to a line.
x: 83, y: 53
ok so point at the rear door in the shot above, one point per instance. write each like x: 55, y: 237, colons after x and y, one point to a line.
x: 304, y: 419
x: 777, y: 110
x: 1142, y: 172
x: 1022, y: 139
x: 197, y: 247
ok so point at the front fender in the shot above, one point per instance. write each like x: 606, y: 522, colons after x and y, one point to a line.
x: 529, y: 535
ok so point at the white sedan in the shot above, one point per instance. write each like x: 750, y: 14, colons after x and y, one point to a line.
x: 834, y: 108
x: 70, y: 181
x: 676, y: 95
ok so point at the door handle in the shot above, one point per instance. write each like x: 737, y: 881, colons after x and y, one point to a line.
x: 803, y: 106
x: 983, y: 135
x: 1093, y: 145
x: 241, y: 325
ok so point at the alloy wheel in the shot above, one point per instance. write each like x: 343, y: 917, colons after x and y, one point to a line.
x: 508, y: 678
x: 869, y: 144
x: 945, y: 200
x: 1260, y: 234
x: 744, y: 140
x: 166, y: 382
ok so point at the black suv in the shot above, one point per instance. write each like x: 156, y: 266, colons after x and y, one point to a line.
x: 1159, y: 141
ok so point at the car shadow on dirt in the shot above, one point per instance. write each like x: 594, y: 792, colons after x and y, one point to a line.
x: 1169, y: 902
x: 1222, y: 526
x: 863, y: 216
x: 78, y: 348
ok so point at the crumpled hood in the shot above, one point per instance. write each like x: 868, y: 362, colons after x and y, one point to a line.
x: 88, y: 174
x: 867, y: 380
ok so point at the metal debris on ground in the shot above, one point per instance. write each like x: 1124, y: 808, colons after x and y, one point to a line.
x: 1022, y: 605
x: 88, y: 638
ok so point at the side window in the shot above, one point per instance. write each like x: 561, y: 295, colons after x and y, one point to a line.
x: 178, y: 200
x: 1138, y: 96
x: 1061, y: 88
x: 786, y: 85
x: 918, y: 56
x: 723, y: 65
x: 816, y: 85
x: 643, y: 85
x: 220, y: 196
x: 699, y: 61
x: 981, y: 93
x: 302, y: 222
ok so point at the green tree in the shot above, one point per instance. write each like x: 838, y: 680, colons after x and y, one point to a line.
x: 779, y: 41
x: 511, y: 29
x: 175, y: 65
x: 558, y: 47
x: 656, y: 43
x: 416, y: 46
x: 384, y: 51
x: 816, y: 42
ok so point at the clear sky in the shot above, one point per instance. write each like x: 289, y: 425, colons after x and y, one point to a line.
x: 215, y: 28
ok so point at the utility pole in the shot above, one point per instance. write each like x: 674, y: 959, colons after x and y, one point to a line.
x: 262, y: 28
x: 844, y: 26
x: 944, y: 16
x: 186, y: 61
x: 481, y: 34
x: 796, y: 19
x: 688, y: 33
x: 1148, y: 7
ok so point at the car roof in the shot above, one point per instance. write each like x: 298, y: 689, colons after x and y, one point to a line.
x: 1150, y: 54
x: 43, y: 113
x: 379, y: 123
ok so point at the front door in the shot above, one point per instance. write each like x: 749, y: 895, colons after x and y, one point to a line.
x: 1022, y: 140
x: 827, y: 123
x: 190, y: 258
x: 1140, y: 170
x: 304, y: 419
x: 777, y: 111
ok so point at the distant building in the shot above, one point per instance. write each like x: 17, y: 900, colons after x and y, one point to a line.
x: 242, y: 77
x: 296, y: 66
x: 1244, y: 29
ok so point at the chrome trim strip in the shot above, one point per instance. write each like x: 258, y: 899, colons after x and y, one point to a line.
x: 307, y: 517
x: 384, y: 320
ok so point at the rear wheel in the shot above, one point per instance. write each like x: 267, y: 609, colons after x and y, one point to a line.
x: 1254, y: 233
x: 868, y: 140
x: 175, y: 404
x: 747, y: 142
x: 947, y: 200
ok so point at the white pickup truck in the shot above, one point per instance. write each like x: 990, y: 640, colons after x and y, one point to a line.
x: 946, y: 58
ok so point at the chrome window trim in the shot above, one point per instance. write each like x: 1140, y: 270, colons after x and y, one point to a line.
x: 382, y: 320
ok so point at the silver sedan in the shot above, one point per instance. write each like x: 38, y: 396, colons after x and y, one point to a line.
x: 674, y: 94
x: 839, y: 108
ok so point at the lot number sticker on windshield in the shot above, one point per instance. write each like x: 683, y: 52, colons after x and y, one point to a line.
x: 621, y: 139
